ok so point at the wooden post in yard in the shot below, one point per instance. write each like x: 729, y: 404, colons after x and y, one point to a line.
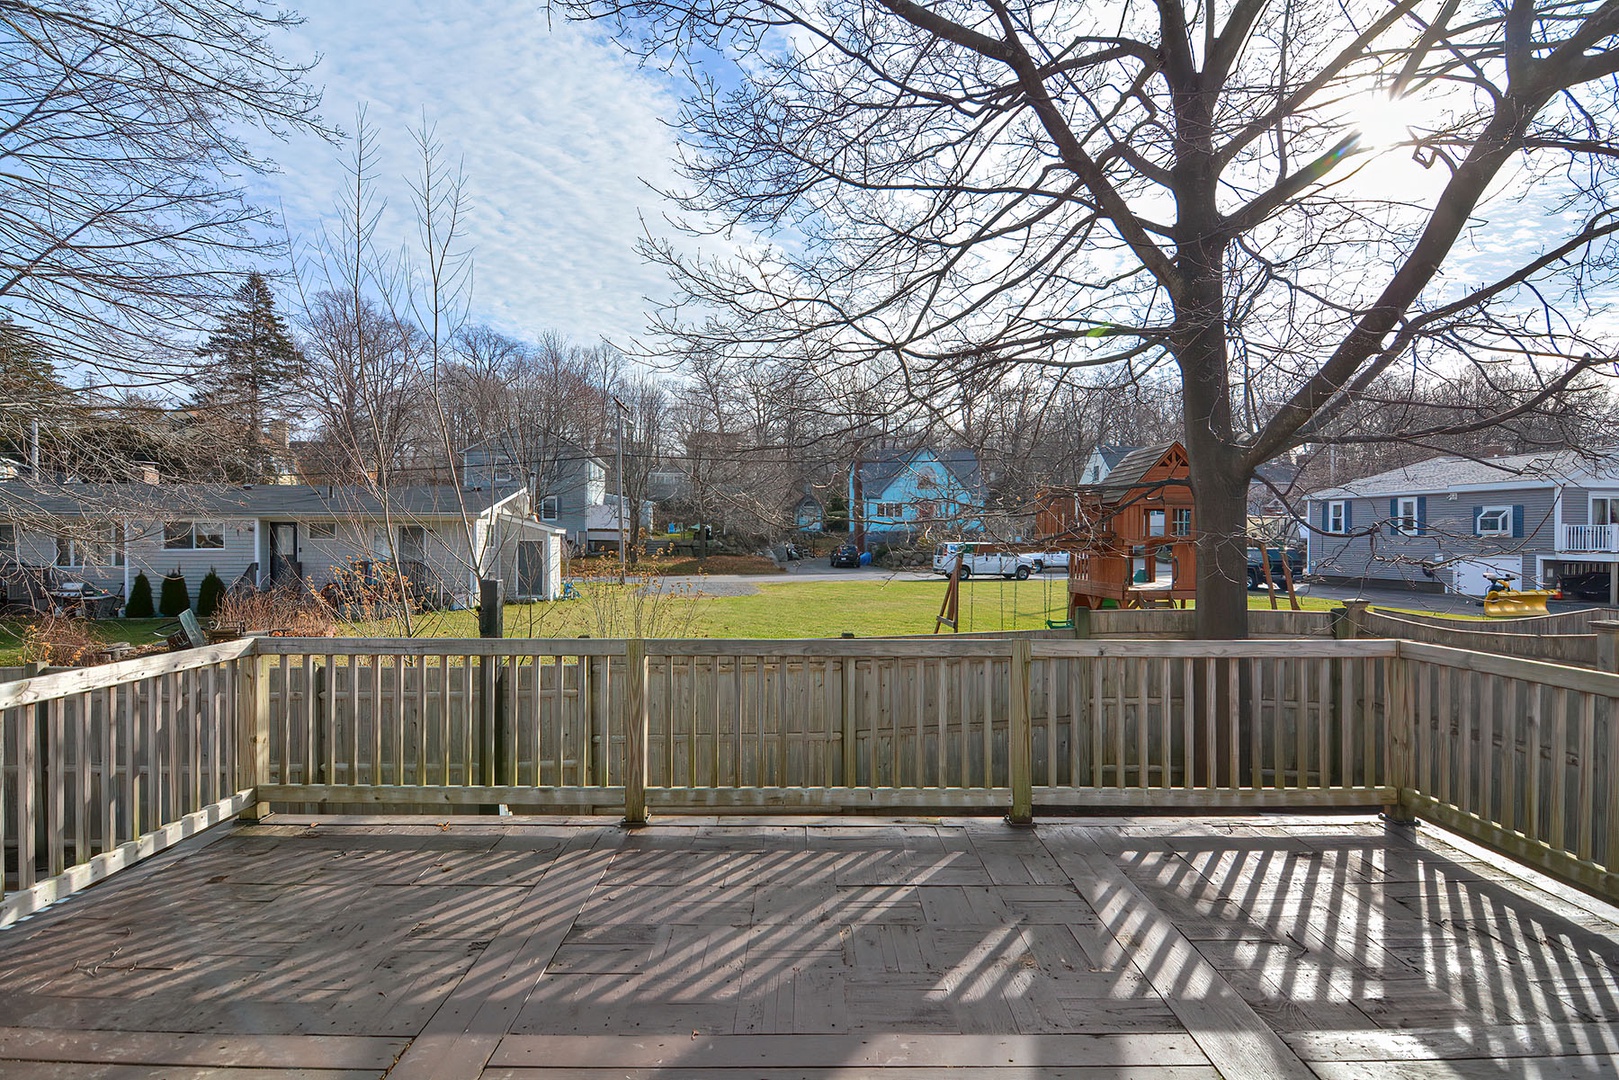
x: 635, y: 734
x: 490, y: 741
x: 1020, y: 735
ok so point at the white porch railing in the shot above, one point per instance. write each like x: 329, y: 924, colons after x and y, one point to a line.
x: 1596, y: 539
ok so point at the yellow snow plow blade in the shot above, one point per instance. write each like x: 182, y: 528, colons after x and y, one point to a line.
x: 1513, y: 604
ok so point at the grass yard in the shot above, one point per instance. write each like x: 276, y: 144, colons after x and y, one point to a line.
x: 785, y: 609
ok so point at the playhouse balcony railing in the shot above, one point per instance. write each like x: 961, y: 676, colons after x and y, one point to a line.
x: 103, y: 766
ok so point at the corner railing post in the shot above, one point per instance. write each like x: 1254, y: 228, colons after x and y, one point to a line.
x: 253, y: 723
x: 1020, y: 735
x: 1607, y: 632
x: 1347, y: 620
x: 636, y: 734
x: 1401, y: 720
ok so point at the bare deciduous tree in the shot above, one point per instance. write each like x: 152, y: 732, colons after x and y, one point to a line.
x: 965, y: 186
x: 123, y: 131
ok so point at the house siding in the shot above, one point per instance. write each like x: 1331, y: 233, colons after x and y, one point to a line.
x: 581, y: 482
x: 924, y: 481
x: 1447, y: 533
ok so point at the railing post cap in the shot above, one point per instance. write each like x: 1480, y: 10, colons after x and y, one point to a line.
x: 1605, y: 626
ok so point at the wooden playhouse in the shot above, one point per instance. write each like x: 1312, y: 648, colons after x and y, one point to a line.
x: 1132, y: 534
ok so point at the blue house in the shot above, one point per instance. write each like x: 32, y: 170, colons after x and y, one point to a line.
x: 899, y: 493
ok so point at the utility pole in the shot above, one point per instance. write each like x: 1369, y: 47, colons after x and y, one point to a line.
x: 622, y: 561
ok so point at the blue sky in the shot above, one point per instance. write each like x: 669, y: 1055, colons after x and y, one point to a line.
x: 560, y: 134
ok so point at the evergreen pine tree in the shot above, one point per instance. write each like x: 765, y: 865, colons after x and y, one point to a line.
x: 139, y: 605
x: 252, y: 358
x: 209, y: 594
x: 176, y: 595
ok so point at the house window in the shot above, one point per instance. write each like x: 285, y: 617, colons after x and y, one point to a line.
x: 101, y: 545
x: 1155, y: 523
x: 890, y: 509
x: 1605, y: 510
x: 8, y: 541
x: 549, y: 508
x: 1338, y: 517
x: 1494, y: 521
x: 323, y: 530
x: 1180, y: 521
x: 503, y: 473
x: 193, y: 535
x: 1406, y: 519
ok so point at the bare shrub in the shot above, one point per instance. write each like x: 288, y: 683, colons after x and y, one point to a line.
x: 295, y: 612
x: 645, y: 606
x: 61, y: 642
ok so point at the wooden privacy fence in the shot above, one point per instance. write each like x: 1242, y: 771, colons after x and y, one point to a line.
x: 104, y: 765
x: 1557, y: 639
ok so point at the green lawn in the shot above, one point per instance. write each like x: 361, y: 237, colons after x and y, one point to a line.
x: 784, y: 609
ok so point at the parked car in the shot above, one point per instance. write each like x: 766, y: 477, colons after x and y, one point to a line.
x: 1292, y: 557
x: 1592, y: 585
x: 846, y: 555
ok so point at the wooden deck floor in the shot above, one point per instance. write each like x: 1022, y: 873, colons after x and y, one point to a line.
x: 487, y: 948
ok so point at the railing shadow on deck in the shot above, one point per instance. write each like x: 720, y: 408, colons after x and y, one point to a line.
x: 103, y: 766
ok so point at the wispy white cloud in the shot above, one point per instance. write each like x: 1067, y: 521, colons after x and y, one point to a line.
x: 560, y: 134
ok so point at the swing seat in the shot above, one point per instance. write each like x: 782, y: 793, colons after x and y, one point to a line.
x: 1062, y: 624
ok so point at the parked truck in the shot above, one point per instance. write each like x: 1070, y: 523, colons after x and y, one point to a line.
x: 1292, y: 557
x: 975, y: 560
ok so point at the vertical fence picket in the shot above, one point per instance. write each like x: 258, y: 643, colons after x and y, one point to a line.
x: 28, y: 809
x: 84, y: 808
x: 1585, y: 809
x: 110, y: 800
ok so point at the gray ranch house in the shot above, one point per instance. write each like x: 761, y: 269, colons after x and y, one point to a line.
x: 1549, y: 518
x: 445, y: 538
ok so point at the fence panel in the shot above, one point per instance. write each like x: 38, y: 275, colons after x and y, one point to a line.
x: 393, y: 725
x: 1211, y: 724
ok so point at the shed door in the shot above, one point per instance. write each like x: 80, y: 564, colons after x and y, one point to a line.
x: 530, y: 567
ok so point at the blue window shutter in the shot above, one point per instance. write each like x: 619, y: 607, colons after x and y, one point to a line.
x: 1349, y: 520
x: 1326, y: 520
x: 1478, y: 512
x: 1517, y: 521
x: 1394, y: 517
x: 1422, y: 515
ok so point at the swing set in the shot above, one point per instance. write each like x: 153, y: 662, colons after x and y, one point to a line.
x: 950, y: 608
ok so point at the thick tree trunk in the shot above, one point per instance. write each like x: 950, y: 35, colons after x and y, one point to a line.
x: 1220, y: 496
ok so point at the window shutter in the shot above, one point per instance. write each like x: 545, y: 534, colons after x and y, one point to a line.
x: 1422, y: 515
x: 1349, y: 520
x: 1517, y: 521
x: 1394, y: 517
x: 1326, y: 519
x: 1478, y: 512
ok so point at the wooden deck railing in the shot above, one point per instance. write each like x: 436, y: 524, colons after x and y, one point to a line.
x: 1517, y: 754
x: 103, y: 766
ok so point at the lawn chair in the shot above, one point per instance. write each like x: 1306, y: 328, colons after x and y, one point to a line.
x: 186, y: 633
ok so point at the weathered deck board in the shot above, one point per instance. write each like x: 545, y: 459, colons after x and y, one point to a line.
x: 815, y: 947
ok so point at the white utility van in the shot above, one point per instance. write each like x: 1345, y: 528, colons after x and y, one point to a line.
x: 1006, y: 564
